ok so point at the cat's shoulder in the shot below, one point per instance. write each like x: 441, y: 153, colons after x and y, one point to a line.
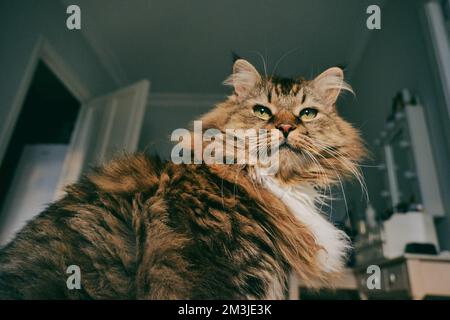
x: 127, y: 173
x: 138, y: 172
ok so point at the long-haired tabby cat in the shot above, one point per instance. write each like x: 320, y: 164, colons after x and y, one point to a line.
x: 141, y: 229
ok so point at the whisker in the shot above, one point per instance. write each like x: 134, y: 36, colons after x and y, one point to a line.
x: 263, y: 61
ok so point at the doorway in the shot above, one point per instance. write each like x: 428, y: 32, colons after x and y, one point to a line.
x: 30, y: 170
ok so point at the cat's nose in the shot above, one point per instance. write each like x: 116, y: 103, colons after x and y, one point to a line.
x: 285, y: 128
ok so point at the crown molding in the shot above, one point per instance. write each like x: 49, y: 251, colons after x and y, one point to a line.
x: 183, y: 100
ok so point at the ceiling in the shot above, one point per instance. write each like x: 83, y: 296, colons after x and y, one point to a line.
x: 185, y: 46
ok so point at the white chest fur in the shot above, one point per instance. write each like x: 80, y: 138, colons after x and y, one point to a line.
x: 302, y: 202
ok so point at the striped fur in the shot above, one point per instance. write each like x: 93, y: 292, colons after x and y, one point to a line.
x: 167, y: 232
x: 139, y: 228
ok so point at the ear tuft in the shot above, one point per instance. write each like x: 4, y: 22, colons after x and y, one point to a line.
x: 235, y: 56
x: 244, y: 77
x: 330, y: 83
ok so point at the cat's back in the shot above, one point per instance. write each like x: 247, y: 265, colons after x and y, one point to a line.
x: 95, y: 226
x: 134, y: 223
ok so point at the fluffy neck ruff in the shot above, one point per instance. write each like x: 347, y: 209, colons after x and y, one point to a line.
x: 310, y: 245
x: 303, y: 201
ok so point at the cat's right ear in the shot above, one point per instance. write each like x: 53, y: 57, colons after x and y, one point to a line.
x: 244, y: 77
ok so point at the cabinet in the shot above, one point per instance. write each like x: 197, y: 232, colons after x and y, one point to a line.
x: 408, y: 277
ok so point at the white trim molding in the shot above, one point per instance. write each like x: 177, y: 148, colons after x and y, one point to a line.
x: 62, y: 71
x: 42, y: 51
x: 169, y: 100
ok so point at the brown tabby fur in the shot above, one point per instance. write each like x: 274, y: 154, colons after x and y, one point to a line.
x: 142, y: 229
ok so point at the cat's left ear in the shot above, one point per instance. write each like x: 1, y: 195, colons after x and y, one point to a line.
x: 329, y: 85
x: 244, y: 78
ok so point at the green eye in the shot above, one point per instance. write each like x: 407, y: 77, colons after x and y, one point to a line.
x: 308, y: 114
x: 262, y: 112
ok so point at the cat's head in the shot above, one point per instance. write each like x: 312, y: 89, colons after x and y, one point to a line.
x: 314, y: 143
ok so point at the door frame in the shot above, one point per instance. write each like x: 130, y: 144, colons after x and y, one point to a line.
x: 45, y: 52
x: 42, y: 51
x: 76, y: 155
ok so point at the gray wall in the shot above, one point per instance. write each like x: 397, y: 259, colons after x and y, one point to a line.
x: 397, y: 57
x: 21, y: 24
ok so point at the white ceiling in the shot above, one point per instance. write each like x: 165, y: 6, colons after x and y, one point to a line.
x: 185, y: 46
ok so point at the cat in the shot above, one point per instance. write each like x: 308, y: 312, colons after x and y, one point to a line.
x: 140, y: 228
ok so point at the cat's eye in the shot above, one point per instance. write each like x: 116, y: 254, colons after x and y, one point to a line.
x: 262, y: 112
x: 308, y: 114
